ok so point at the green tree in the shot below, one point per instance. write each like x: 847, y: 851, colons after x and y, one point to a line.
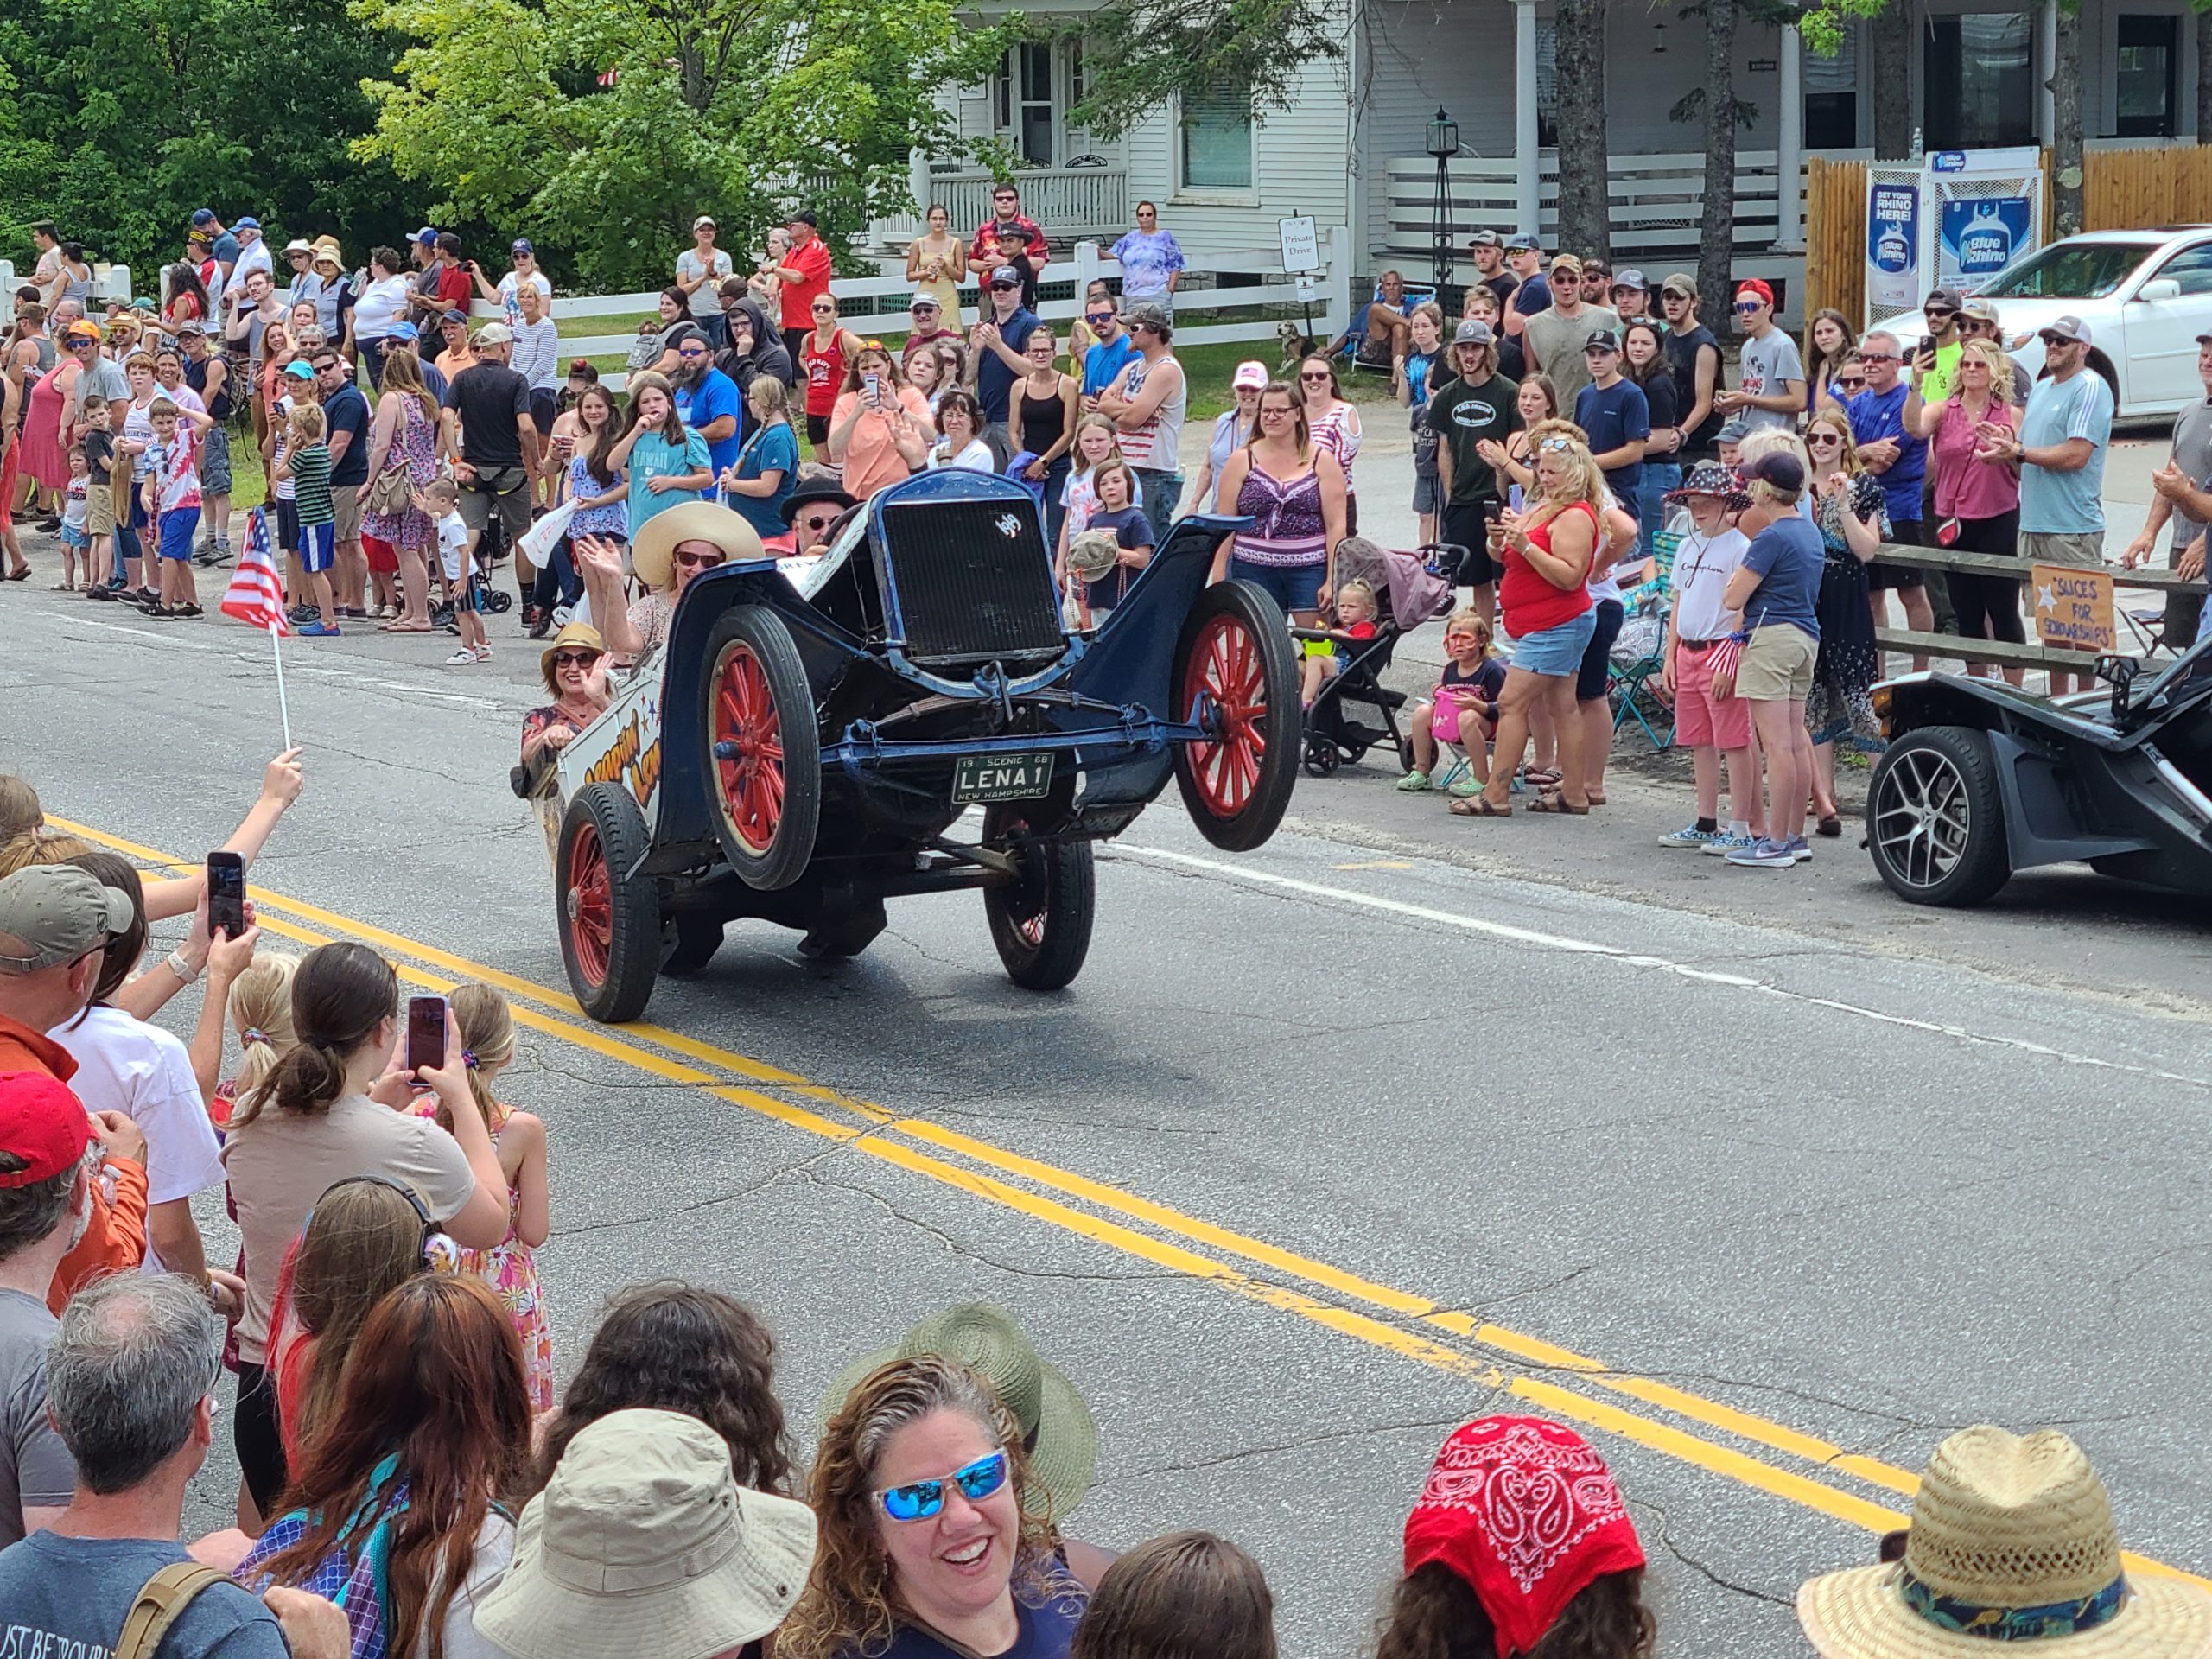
x: 604, y: 126
x: 1141, y: 53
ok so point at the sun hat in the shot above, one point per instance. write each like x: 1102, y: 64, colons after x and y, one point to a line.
x: 1056, y: 1426
x: 43, y: 1126
x: 298, y: 244
x: 575, y: 636
x: 652, y: 556
x: 1528, y: 1516
x: 1711, y: 478
x: 819, y: 487
x: 2012, y: 1550
x: 1251, y: 373
x: 57, y: 913
x: 644, y: 1542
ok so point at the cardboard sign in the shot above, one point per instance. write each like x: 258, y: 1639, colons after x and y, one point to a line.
x: 2074, y: 606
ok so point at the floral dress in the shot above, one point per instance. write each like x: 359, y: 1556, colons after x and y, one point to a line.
x: 510, y: 1269
x: 415, y: 443
x: 1842, y: 701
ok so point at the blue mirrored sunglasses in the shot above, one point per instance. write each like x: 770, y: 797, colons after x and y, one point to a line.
x: 920, y: 1499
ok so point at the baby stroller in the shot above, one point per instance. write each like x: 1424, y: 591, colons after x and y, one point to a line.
x: 1413, y: 588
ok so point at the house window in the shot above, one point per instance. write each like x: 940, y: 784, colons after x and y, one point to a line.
x: 1547, y: 86
x: 1022, y: 108
x: 1217, y: 139
x: 1980, y: 80
x: 2143, y: 88
x: 1832, y: 97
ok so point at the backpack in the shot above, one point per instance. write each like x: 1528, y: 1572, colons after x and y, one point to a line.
x: 356, y: 1573
x: 158, y: 1604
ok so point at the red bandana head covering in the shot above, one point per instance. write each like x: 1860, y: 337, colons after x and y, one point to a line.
x: 1528, y: 1516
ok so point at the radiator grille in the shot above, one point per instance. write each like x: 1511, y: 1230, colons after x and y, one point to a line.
x: 973, y: 580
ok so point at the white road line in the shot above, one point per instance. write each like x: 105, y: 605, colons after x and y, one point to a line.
x: 310, y: 670
x: 1561, y: 942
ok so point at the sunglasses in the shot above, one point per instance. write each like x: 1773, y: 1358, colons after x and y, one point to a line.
x: 1940, y: 316
x: 920, y: 1499
x: 1556, y: 446
x: 1099, y: 316
x: 1857, y: 383
x: 1821, y: 440
x: 1010, y: 196
x: 1004, y: 288
x: 816, y: 520
x: 2053, y: 342
x: 1749, y: 305
x: 823, y: 310
x: 1323, y: 375
x: 1878, y: 357
x: 692, y: 351
x: 575, y: 658
x: 698, y: 561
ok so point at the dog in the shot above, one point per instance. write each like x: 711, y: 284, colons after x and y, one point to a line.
x: 1296, y: 346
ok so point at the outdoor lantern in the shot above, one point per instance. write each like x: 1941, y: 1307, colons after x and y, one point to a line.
x: 1443, y: 136
x: 1444, y: 144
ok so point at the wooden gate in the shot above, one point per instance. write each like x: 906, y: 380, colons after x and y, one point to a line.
x: 1835, y: 238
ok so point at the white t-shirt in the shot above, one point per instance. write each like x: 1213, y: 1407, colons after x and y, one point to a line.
x: 976, y: 458
x: 511, y: 283
x: 280, y: 420
x: 253, y: 258
x: 706, y: 299
x: 379, y: 305
x: 138, y: 427
x: 1702, y: 566
x: 453, y: 544
x: 125, y: 1065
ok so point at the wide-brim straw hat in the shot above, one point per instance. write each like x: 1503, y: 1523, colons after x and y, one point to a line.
x: 2008, y: 1533
x: 652, y: 556
x: 573, y: 636
x: 643, y: 1543
x: 1057, y: 1428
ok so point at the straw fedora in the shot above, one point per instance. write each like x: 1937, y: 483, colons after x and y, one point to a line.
x: 2012, y: 1550
x: 575, y: 636
x: 652, y: 556
x: 1093, y: 554
x: 643, y: 1543
x: 1056, y: 1426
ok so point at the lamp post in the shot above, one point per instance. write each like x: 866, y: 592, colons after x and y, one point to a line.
x: 1444, y: 144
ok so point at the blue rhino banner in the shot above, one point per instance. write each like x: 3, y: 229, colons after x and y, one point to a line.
x: 1977, y: 237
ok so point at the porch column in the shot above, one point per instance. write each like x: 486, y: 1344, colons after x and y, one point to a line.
x: 1528, y: 205
x: 2046, y: 57
x: 917, y: 178
x: 1789, y: 150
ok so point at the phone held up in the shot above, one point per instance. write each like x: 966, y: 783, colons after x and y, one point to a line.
x: 226, y: 894
x: 426, y: 1033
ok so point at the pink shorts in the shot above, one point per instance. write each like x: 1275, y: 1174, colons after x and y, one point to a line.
x: 1699, y: 720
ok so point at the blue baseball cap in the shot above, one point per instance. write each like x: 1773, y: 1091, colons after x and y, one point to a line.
x: 246, y: 222
x: 406, y: 331
x: 426, y: 237
x: 521, y: 244
x: 204, y: 216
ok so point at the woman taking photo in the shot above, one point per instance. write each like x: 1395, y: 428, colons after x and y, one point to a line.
x: 934, y: 1534
x: 936, y: 262
x: 1294, y: 491
x: 880, y: 426
x: 1040, y: 420
x: 1537, y: 400
x: 1646, y: 363
x: 1828, y: 340
x: 403, y: 443
x: 960, y: 443
x: 666, y: 462
x: 1333, y: 425
x: 1232, y: 430
x: 332, y: 1108
x: 1853, y: 523
x: 828, y: 353
x: 1544, y: 600
x: 380, y: 307
x: 1982, y: 498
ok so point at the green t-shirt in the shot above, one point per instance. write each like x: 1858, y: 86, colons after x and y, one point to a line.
x: 1936, y: 386
x: 311, y: 484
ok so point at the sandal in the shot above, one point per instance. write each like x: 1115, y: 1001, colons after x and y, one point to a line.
x: 1542, y: 777
x: 1479, y: 806
x: 1597, y: 798
x: 23, y: 574
x: 1830, y: 826
x: 1553, y: 801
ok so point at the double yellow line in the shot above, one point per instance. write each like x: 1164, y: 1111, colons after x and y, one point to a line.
x: 1549, y: 1377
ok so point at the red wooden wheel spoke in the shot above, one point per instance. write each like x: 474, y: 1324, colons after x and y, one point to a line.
x: 1227, y: 668
x: 747, y: 724
x: 591, y: 901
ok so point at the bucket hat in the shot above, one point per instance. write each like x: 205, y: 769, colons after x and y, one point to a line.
x: 1711, y: 478
x: 2012, y: 1550
x: 1056, y: 1426
x: 652, y: 556
x: 644, y: 1542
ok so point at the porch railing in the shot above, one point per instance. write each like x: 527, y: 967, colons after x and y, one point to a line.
x: 1068, y: 201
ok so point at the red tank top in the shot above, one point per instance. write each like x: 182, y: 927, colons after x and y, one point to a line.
x: 1531, y: 604
x: 825, y: 372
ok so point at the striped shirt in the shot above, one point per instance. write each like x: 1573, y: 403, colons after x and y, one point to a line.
x: 311, y: 484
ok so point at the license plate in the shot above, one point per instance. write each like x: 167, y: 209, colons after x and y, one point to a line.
x: 1001, y: 776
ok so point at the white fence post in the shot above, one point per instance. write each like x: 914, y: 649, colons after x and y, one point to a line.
x: 1087, y: 266
x: 1337, y: 297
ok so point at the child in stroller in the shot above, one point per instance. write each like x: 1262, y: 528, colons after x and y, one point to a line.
x: 1462, y: 710
x: 1356, y: 613
x: 1407, y: 589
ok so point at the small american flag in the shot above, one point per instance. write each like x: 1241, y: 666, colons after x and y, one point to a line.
x: 256, y: 592
x: 607, y: 77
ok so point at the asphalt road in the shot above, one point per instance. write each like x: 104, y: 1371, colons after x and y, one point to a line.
x: 1763, y: 1180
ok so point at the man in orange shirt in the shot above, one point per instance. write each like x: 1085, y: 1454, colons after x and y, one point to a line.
x: 55, y: 919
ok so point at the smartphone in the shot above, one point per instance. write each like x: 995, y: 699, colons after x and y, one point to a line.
x: 226, y: 893
x: 1927, y: 345
x: 1513, y: 496
x: 1494, y: 511
x: 425, y: 1032
x: 871, y: 388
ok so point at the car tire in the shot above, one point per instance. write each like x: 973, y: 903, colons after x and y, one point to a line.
x: 610, y: 921
x: 1040, y: 921
x: 1234, y: 653
x: 1936, y: 818
x: 761, y: 753
x: 688, y: 943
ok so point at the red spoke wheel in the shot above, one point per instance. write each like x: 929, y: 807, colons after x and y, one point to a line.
x: 763, y: 753
x: 1041, y: 920
x: 1234, y: 666
x: 610, y: 922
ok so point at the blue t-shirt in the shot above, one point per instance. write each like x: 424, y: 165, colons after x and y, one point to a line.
x: 1103, y: 364
x: 656, y: 457
x: 993, y: 379
x: 1418, y: 366
x: 701, y: 405
x: 71, y: 1595
x: 776, y: 450
x: 2066, y: 504
x: 1534, y: 295
x: 1787, y: 555
x: 1877, y: 415
x: 1131, y: 529
x: 433, y: 378
x: 1613, y: 416
x: 1043, y: 1632
x: 346, y: 411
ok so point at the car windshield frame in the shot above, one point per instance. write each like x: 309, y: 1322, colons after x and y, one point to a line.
x: 2195, y: 662
x: 2092, y: 270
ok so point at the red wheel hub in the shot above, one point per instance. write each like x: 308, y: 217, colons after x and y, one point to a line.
x: 590, y: 904
x: 1227, y: 674
x: 748, y: 749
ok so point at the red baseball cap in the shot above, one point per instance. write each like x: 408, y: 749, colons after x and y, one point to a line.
x: 43, y: 1124
x: 1758, y: 290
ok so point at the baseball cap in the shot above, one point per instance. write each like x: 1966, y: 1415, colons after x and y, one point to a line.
x: 426, y: 237
x: 1567, y: 262
x: 1782, y: 470
x: 1524, y: 244
x: 1979, y: 309
x: 1632, y: 279
x: 57, y: 912
x: 1681, y: 282
x: 188, y: 327
x: 299, y: 244
x: 1484, y: 239
x: 1251, y: 373
x: 495, y: 334
x: 803, y: 216
x: 204, y: 216
x: 521, y: 244
x: 1146, y: 314
x: 42, y: 1124
x: 455, y: 315
x: 1945, y: 299
x: 1006, y: 276
x: 2066, y: 328
x: 1759, y: 290
x: 704, y: 219
x: 1473, y: 331
x: 929, y: 302
x: 1601, y: 339
x: 246, y: 222
x: 300, y: 371
x: 82, y: 331
x: 404, y: 331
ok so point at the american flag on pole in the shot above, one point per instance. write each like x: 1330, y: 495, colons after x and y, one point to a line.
x: 256, y: 592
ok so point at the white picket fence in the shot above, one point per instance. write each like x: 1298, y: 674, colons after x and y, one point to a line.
x: 877, y: 305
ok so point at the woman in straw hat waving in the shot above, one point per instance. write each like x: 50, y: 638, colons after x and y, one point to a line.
x: 2013, y: 1552
x: 671, y: 548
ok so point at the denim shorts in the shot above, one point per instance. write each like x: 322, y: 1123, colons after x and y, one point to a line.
x: 1557, y: 652
x: 1291, y: 586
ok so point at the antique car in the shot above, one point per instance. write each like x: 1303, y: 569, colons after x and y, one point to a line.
x: 815, y: 734
x: 1981, y: 780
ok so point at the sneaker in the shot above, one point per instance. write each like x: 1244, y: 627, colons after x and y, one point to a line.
x: 1415, y: 782
x: 563, y: 615
x: 317, y: 630
x: 300, y: 616
x: 467, y: 657
x: 187, y: 611
x: 1726, y: 841
x: 1690, y: 838
x: 203, y: 554
x: 1763, y: 854
x: 1800, y: 849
